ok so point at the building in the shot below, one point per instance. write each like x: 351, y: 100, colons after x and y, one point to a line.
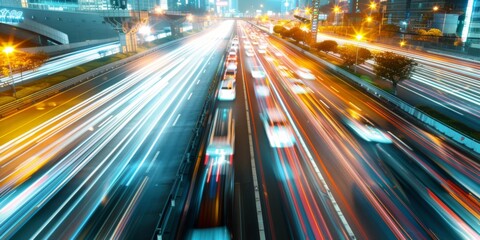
x: 52, y: 22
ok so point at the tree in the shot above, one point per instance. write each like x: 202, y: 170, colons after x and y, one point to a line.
x: 393, y: 67
x: 293, y: 33
x: 349, y: 55
x: 287, y: 33
x: 23, y: 61
x: 279, y: 29
x: 326, y: 46
x: 299, y: 35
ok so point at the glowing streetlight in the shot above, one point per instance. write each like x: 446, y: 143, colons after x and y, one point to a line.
x: 7, y: 50
x: 403, y: 43
x: 337, y: 10
x: 189, y: 18
x: 307, y: 11
x: 305, y: 29
x: 358, y: 37
x: 369, y: 19
x: 435, y: 9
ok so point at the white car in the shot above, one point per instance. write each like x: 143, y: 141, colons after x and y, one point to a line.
x: 262, y: 51
x: 262, y: 91
x: 249, y: 52
x: 227, y: 90
x: 365, y: 129
x: 279, y: 132
x: 305, y: 74
x: 232, y: 56
x: 284, y: 71
x: 257, y: 72
x: 298, y: 87
x: 231, y: 65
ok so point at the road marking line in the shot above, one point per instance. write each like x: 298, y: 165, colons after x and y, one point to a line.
x: 189, y: 96
x: 151, y: 164
x: 323, y: 103
x: 198, y: 81
x: 334, y: 89
x: 176, y: 119
x: 355, y: 106
x: 258, y: 204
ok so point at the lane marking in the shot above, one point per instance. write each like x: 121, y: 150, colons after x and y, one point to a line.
x: 153, y: 160
x: 189, y: 96
x: 176, y: 119
x: 198, y: 81
x: 335, y: 89
x: 258, y: 204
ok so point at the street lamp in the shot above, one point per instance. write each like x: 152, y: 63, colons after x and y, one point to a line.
x: 336, y: 10
x: 403, y: 43
x: 372, y: 7
x: 435, y: 9
x: 305, y: 30
x: 358, y: 37
x: 7, y: 51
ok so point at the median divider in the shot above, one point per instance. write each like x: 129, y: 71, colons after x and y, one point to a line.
x: 168, y: 222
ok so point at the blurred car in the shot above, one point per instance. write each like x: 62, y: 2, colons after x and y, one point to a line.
x: 230, y: 74
x: 262, y: 51
x: 284, y: 71
x: 278, y: 130
x: 231, y: 64
x: 262, y: 91
x: 235, y: 40
x: 298, y: 87
x: 278, y: 53
x: 232, y: 55
x: 365, y: 128
x: 227, y: 90
x: 249, y: 52
x: 257, y: 72
x: 305, y: 74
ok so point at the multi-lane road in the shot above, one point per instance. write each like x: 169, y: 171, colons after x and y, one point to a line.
x: 98, y: 161
x: 315, y: 157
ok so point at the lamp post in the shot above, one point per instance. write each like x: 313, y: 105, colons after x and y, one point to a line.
x: 7, y: 51
x: 358, y: 37
x: 435, y: 9
x: 381, y: 20
x: 304, y: 29
x: 336, y: 10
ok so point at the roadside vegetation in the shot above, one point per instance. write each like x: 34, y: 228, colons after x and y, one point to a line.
x: 22, y: 62
x: 389, y: 68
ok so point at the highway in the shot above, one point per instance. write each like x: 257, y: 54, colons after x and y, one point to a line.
x: 444, y: 83
x: 417, y: 186
x: 98, y: 161
x: 314, y: 157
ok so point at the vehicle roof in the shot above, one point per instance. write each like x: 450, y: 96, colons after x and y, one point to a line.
x: 275, y: 115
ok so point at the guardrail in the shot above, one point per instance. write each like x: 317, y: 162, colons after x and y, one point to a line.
x: 26, y: 101
x: 379, y: 93
x: 166, y: 226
